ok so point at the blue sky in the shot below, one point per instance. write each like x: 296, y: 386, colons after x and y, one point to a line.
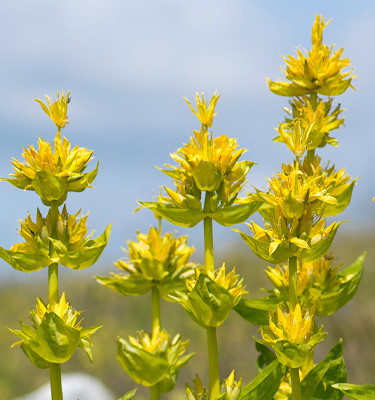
x: 128, y: 64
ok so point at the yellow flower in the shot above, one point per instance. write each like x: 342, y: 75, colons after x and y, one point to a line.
x: 317, y: 118
x: 55, y: 335
x: 279, y: 276
x: 295, y: 326
x: 58, y: 109
x: 52, y: 171
x: 204, y: 114
x: 319, y: 71
x: 62, y: 309
x: 70, y: 231
x: 153, y: 261
x: 207, y: 164
x: 229, y: 281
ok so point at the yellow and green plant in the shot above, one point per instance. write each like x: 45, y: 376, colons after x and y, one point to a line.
x: 58, y: 238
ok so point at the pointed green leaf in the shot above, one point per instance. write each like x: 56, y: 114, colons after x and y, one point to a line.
x: 144, y: 368
x: 26, y: 262
x: 236, y: 214
x: 35, y: 358
x: 343, y: 200
x: 317, y: 383
x: 126, y: 285
x: 169, y: 382
x: 266, y: 384
x: 321, y: 248
x: 356, y: 392
x: 84, y: 258
x: 261, y: 249
x: 49, y: 187
x: 207, y: 176
x: 84, y: 181
x: 255, y: 311
x: 349, y: 280
x: 129, y: 396
x: 266, y: 356
x: 186, y: 217
x: 55, y: 341
x: 208, y: 304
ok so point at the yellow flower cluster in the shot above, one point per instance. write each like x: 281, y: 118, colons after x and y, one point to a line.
x: 319, y: 71
x: 62, y: 309
x: 156, y: 257
x: 230, y: 281
x: 59, y: 160
x: 204, y: 113
x: 159, y: 342
x: 295, y: 326
x: 70, y: 231
x: 58, y: 109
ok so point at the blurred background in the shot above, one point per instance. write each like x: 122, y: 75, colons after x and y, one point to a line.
x: 128, y: 64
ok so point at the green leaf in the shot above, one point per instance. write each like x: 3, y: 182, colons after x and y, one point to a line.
x: 261, y: 249
x: 266, y: 356
x: 356, y: 392
x: 18, y: 182
x: 126, y: 285
x: 291, y: 354
x: 343, y: 200
x: 169, y: 382
x: 255, y: 311
x: 317, y: 383
x: 236, y: 214
x: 321, y: 248
x: 186, y: 217
x: 55, y: 341
x: 84, y: 181
x: 208, y: 304
x: 144, y: 368
x: 129, y: 396
x: 49, y: 187
x: 349, y: 280
x: 266, y: 384
x: 84, y: 258
x: 207, y: 177
x: 35, y: 358
x: 335, y: 90
x: 26, y: 262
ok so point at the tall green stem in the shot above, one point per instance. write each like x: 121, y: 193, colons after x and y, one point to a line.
x: 155, y: 392
x: 155, y: 309
x: 296, y: 385
x: 208, y: 237
x: 209, y: 262
x: 213, y: 363
x: 53, y: 296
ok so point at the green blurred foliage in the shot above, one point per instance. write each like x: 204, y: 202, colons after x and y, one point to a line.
x: 124, y: 316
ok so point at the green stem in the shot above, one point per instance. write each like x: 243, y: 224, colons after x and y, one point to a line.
x: 296, y: 385
x: 53, y: 297
x: 209, y: 262
x: 55, y: 379
x: 208, y: 238
x: 213, y: 363
x: 155, y: 392
x: 155, y: 309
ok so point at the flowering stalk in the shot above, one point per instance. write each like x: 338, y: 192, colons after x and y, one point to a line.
x: 213, y: 355
x: 155, y: 392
